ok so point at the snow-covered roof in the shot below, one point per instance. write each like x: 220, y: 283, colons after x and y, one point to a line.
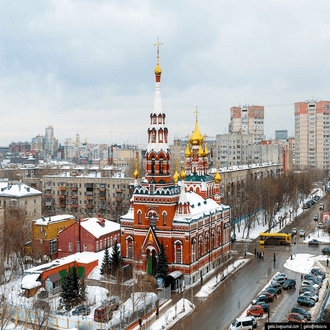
x: 199, y: 207
x: 93, y: 226
x: 17, y: 189
x: 30, y: 281
x: 44, y: 221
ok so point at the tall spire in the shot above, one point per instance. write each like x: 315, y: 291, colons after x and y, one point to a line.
x: 158, y: 71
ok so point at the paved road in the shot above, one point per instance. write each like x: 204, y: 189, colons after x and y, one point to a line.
x: 234, y: 295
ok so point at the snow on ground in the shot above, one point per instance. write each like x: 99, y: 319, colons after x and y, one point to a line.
x: 257, y: 229
x: 173, y: 315
x: 212, y: 284
x: 303, y: 262
x: 320, y: 235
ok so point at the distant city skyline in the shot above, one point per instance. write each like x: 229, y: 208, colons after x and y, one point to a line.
x: 89, y: 66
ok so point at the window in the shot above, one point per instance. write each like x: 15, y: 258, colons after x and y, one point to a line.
x: 139, y: 217
x: 97, y: 246
x: 53, y: 246
x: 35, y: 201
x: 130, y: 249
x: 164, y: 218
x: 101, y: 245
x: 70, y: 247
x: 25, y: 203
x: 85, y: 247
x: 178, y: 254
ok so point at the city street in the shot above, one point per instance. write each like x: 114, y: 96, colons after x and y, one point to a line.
x: 234, y: 295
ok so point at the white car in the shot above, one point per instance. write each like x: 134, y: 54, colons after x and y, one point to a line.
x: 311, y: 296
x: 302, y: 233
x: 294, y: 230
x: 310, y: 283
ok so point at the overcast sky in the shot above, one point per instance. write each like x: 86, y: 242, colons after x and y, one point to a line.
x: 89, y: 65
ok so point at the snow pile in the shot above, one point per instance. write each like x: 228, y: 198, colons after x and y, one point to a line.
x: 173, y: 315
x: 303, y: 262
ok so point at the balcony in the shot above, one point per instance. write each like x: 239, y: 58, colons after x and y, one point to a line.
x: 74, y: 188
x: 47, y: 196
x: 62, y: 188
x: 74, y: 206
x: 62, y: 205
x: 48, y: 187
x: 102, y: 189
x: 89, y: 206
x: 89, y: 197
x: 102, y: 198
x: 74, y: 196
x: 62, y: 196
x: 48, y: 203
x: 118, y: 190
x: 118, y: 199
x: 102, y: 207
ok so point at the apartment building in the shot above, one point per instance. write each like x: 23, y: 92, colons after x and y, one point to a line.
x: 239, y: 149
x: 16, y: 195
x: 312, y: 130
x: 86, y: 195
x: 248, y: 120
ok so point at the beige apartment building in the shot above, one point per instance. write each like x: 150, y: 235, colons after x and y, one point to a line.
x: 17, y: 195
x: 86, y: 195
x: 312, y: 134
x: 248, y: 120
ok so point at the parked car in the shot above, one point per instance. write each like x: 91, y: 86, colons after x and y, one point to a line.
x: 296, y: 318
x: 321, y: 207
x: 277, y: 286
x: 316, y: 198
x: 305, y: 301
x: 321, y: 225
x: 306, y: 205
x: 278, y: 275
x: 113, y: 301
x: 289, y: 283
x: 308, y: 289
x: 310, y: 295
x: 81, y: 310
x: 103, y: 313
x: 255, y: 310
x: 261, y: 297
x: 303, y: 312
x: 317, y: 272
x: 269, y: 295
x: 302, y: 233
x: 310, y: 283
x: 314, y: 279
x: 264, y: 306
x: 312, y: 201
x: 272, y: 291
x: 316, y: 218
x: 244, y: 323
x: 314, y: 242
x: 294, y: 230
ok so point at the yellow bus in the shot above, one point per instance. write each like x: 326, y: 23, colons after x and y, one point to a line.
x: 275, y: 239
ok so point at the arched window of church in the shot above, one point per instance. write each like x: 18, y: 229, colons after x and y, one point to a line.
x: 153, y: 165
x: 153, y: 137
x: 161, y: 164
x: 207, y: 245
x: 178, y: 251
x: 130, y: 248
x: 193, y: 247
x: 160, y: 119
x: 165, y: 134
x: 219, y: 236
x: 200, y: 246
x: 154, y: 120
x: 213, y: 239
x: 164, y: 218
x: 139, y: 217
x: 160, y: 136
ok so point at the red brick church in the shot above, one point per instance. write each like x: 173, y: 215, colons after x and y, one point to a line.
x: 183, y: 212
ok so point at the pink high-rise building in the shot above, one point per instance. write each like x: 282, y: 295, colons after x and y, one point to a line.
x: 312, y: 134
x: 248, y: 120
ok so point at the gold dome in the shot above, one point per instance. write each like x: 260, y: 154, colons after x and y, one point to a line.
x: 158, y: 69
x: 183, y: 174
x: 136, y: 173
x: 200, y: 151
x: 217, y: 177
x: 176, y: 176
x: 206, y: 152
x: 197, y: 137
x: 188, y: 152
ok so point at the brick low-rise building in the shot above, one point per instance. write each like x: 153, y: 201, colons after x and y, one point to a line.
x: 91, y: 235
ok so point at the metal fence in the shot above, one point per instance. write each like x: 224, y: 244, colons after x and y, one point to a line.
x: 38, y: 318
x: 325, y: 301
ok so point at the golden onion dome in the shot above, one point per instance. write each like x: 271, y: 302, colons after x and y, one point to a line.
x: 176, y: 176
x: 206, y: 152
x: 183, y: 174
x: 200, y: 151
x: 197, y: 137
x: 136, y: 174
x: 217, y: 177
x: 158, y: 69
x: 188, y: 152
